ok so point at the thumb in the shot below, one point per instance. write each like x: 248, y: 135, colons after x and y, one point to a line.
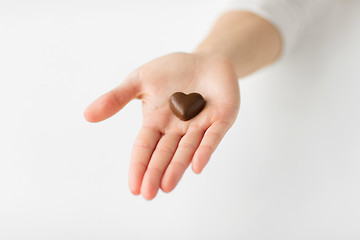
x: 112, y: 102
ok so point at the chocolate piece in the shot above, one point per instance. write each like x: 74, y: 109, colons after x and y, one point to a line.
x: 185, y: 106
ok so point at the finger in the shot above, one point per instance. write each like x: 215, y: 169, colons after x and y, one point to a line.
x: 143, y: 148
x: 110, y: 103
x: 160, y: 159
x: 181, y: 160
x: 209, y: 143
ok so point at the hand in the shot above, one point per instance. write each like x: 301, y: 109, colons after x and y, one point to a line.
x: 165, y: 145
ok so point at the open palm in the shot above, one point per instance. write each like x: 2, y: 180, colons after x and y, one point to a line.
x: 165, y: 145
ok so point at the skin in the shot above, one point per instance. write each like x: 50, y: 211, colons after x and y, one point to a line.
x: 239, y: 44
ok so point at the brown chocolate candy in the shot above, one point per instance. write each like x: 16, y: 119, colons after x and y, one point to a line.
x: 185, y: 106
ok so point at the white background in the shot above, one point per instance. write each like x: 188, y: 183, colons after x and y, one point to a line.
x: 288, y: 169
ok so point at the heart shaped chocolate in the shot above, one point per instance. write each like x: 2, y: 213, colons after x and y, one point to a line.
x: 185, y: 106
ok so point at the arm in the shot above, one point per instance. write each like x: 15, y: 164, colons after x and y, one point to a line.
x: 247, y: 40
x: 239, y: 44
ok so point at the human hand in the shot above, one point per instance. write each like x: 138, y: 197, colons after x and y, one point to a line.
x: 165, y: 145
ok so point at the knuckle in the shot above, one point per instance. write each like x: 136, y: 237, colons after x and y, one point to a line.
x: 179, y: 164
x: 137, y: 163
x: 154, y: 170
x: 214, y: 134
x: 165, y: 149
x: 208, y: 147
x: 142, y: 144
x: 187, y: 145
x: 117, y: 99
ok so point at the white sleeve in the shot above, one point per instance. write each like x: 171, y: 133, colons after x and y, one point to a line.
x: 288, y: 16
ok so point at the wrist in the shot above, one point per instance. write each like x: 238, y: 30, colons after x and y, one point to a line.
x: 216, y: 57
x: 213, y: 54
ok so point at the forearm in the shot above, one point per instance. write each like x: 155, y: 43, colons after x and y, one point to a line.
x: 247, y: 40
